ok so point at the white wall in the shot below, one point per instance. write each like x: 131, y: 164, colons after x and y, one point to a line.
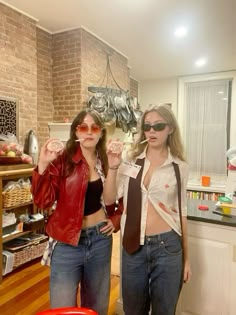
x: 158, y: 91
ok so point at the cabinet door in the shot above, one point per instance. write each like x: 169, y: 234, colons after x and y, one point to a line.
x: 232, y: 289
x: 208, y: 291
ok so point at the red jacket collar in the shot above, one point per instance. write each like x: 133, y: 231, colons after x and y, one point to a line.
x: 77, y: 157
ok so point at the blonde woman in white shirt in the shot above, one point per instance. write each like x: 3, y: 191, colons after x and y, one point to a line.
x: 156, y: 264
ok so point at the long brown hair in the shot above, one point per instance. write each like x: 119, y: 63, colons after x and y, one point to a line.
x: 72, y: 145
x: 174, y: 141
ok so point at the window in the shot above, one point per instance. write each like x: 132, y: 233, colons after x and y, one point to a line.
x: 205, y: 114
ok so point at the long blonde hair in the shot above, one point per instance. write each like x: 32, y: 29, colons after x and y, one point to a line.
x: 174, y: 141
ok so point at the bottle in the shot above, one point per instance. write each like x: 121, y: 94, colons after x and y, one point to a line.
x: 33, y: 147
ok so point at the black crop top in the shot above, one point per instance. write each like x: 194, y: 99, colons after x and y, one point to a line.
x: 93, y: 197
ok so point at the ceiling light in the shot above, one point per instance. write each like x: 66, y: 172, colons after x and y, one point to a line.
x: 181, y: 32
x: 200, y: 62
x: 221, y: 92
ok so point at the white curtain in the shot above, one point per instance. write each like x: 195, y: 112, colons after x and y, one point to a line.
x: 206, y: 108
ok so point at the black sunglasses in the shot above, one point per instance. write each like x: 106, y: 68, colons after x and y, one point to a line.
x: 155, y: 127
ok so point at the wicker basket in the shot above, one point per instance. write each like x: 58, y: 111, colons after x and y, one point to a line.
x: 16, y: 196
x: 29, y: 252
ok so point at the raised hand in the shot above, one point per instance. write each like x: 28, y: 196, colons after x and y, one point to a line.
x: 47, y: 155
x: 114, y: 153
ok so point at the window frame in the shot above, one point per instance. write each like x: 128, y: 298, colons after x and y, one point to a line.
x: 230, y: 75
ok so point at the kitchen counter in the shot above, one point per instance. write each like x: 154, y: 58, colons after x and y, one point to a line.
x: 212, y: 248
x: 207, y: 215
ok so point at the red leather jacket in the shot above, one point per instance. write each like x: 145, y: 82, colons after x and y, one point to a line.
x: 69, y: 193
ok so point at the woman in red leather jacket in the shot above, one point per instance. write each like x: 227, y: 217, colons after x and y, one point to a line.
x: 80, y: 228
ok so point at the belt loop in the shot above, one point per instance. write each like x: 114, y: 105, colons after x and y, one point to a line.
x: 97, y: 229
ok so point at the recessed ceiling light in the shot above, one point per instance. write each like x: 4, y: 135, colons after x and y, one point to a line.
x: 221, y: 92
x: 181, y: 31
x: 200, y: 62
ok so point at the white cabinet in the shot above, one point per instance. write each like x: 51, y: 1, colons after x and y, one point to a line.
x: 212, y: 288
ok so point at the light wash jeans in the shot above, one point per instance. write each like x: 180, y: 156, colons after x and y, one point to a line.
x: 152, y: 277
x: 87, y: 264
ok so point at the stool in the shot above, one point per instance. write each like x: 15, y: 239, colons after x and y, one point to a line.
x: 68, y: 311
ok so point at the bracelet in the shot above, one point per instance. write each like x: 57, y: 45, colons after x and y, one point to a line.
x: 114, y: 168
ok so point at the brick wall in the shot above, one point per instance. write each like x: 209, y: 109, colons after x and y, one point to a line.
x: 133, y: 87
x: 79, y: 61
x: 49, y: 74
x: 18, y: 66
x: 66, y: 77
x: 44, y: 83
x: 94, y: 61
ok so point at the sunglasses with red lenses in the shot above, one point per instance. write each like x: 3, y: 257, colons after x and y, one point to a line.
x: 156, y: 127
x: 85, y: 128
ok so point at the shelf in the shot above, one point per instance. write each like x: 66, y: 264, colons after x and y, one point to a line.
x: 12, y: 236
x: 203, y: 195
x: 213, y: 192
x: 16, y: 167
x: 213, y: 189
x: 7, y: 171
x: 21, y: 205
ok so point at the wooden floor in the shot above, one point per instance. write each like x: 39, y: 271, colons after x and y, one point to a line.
x: 25, y: 291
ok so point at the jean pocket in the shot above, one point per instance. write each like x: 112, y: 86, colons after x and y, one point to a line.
x: 105, y: 235
x: 172, y: 246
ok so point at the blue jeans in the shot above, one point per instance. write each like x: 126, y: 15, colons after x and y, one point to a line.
x: 87, y: 264
x: 152, y: 277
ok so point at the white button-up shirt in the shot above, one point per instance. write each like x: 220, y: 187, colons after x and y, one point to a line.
x: 161, y: 192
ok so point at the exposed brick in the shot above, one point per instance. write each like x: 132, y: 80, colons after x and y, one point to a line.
x: 133, y: 87
x: 18, y: 66
x: 44, y: 83
x: 49, y: 74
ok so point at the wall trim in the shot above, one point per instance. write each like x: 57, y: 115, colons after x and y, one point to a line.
x: 18, y: 10
x: 102, y: 40
x: 88, y: 31
x: 44, y: 29
x: 66, y: 29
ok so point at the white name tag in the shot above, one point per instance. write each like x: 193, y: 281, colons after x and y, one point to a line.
x: 129, y: 169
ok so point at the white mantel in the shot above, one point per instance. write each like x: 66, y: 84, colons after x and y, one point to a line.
x: 59, y: 130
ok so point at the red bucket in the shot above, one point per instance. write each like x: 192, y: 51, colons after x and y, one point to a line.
x: 68, y: 311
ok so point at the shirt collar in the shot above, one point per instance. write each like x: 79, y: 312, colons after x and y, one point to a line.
x: 169, y: 159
